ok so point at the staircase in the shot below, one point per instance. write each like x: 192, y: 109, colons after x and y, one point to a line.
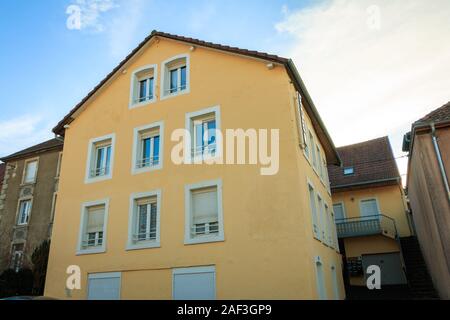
x: 419, y: 280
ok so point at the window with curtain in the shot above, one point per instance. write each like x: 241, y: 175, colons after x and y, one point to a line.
x: 369, y: 209
x: 205, y: 217
x: 30, y: 172
x: 94, y: 226
x: 145, y: 219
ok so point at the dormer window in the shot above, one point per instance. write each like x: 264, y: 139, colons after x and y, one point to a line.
x: 175, y: 78
x: 349, y: 171
x: 143, y: 82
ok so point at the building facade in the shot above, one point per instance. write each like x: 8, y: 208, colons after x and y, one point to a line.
x: 370, y: 210
x: 27, y: 202
x: 428, y: 145
x: 2, y: 173
x: 140, y: 225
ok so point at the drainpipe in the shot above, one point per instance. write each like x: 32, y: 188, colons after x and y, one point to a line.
x: 439, y: 158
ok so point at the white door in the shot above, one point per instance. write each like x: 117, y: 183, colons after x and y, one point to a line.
x: 104, y: 286
x: 194, y: 283
x: 368, y: 208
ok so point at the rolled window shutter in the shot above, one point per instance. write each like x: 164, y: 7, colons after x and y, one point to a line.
x: 95, y: 219
x: 204, y: 205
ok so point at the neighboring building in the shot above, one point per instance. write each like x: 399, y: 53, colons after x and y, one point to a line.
x: 428, y: 145
x: 2, y: 174
x: 140, y: 226
x: 27, y: 201
x: 370, y: 210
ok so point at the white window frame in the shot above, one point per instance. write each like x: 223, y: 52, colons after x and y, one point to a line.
x: 25, y: 167
x: 322, y: 215
x: 314, y: 155
x: 329, y: 236
x: 188, y: 141
x: 54, y: 199
x: 137, y: 146
x: 134, y: 86
x: 194, y: 270
x: 165, y: 77
x: 30, y: 198
x: 315, y: 219
x: 132, y: 221
x: 220, y: 236
x: 83, y: 220
x: 91, y: 153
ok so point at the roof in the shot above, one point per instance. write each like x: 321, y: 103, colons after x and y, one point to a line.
x: 373, y: 163
x: 439, y: 115
x: 36, y: 149
x: 320, y: 128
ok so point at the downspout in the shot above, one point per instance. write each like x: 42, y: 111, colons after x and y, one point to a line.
x: 439, y: 158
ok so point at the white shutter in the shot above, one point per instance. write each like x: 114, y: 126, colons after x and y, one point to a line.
x: 369, y: 208
x: 30, y: 172
x: 338, y: 211
x: 302, y: 124
x: 312, y: 203
x: 95, y: 219
x: 204, y: 205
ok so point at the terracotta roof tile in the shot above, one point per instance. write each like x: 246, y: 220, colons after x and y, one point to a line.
x: 371, y: 161
x: 41, y: 147
x: 438, y: 115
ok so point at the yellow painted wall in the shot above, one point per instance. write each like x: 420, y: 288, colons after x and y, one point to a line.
x: 268, y: 250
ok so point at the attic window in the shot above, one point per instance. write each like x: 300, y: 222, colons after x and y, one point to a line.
x: 349, y: 171
x: 175, y: 79
x: 143, y: 86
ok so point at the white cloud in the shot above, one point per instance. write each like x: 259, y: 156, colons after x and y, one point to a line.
x: 368, y: 81
x: 90, y: 13
x: 23, y: 132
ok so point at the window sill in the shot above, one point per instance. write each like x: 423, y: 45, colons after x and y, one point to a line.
x: 141, y: 104
x: 98, y: 179
x: 206, y: 239
x: 146, y: 169
x: 142, y: 246
x: 178, y: 93
x: 27, y: 184
x: 81, y: 252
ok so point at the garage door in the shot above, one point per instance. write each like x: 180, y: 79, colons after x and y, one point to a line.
x: 104, y: 286
x: 194, y: 283
x: 390, y: 265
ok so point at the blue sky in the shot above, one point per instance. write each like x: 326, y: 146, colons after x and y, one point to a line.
x: 371, y: 66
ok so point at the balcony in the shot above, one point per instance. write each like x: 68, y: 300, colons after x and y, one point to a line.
x: 379, y: 224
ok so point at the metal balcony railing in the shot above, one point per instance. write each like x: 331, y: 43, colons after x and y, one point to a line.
x: 366, y: 226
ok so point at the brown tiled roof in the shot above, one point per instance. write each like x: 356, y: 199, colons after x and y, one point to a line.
x: 373, y: 162
x: 438, y: 115
x: 2, y: 173
x: 39, y: 148
x: 320, y: 128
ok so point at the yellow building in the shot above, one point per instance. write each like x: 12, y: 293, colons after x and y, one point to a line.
x: 371, y: 211
x: 140, y: 225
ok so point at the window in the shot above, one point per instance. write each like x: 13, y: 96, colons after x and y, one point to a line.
x: 329, y: 224
x: 198, y: 283
x: 144, y: 220
x: 334, y: 279
x: 204, y: 221
x: 349, y: 171
x: 17, y: 257
x: 24, y: 212
x: 322, y: 218
x: 319, y: 162
x: 339, y: 211
x: 30, y: 171
x: 100, y: 159
x: 175, y: 79
x: 313, y: 149
x: 58, y: 168
x: 104, y: 286
x: 143, y: 86
x: 147, y: 148
x: 93, y: 227
x: 320, y: 280
x: 313, y: 207
x: 203, y: 126
x: 302, y: 126
x: 369, y: 209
